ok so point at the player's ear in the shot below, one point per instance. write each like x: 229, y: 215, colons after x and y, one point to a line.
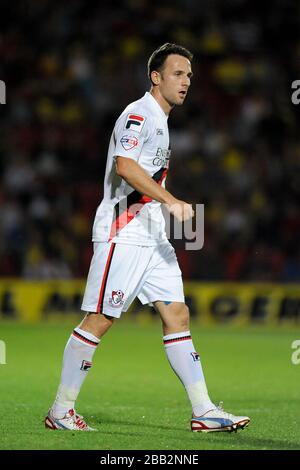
x: 155, y: 77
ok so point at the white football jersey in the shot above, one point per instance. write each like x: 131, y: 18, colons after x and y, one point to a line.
x: 124, y: 215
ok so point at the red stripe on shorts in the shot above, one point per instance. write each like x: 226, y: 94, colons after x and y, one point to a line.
x: 104, y: 279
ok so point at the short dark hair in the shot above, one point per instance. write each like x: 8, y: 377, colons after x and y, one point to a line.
x: 158, y: 57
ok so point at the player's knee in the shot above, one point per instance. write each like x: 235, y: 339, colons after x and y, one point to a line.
x: 105, y: 321
x: 98, y: 323
x: 108, y: 318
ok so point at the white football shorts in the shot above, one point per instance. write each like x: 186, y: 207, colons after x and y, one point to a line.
x: 119, y: 273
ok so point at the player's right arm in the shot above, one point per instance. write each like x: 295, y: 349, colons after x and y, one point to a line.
x: 131, y: 132
x: 141, y: 181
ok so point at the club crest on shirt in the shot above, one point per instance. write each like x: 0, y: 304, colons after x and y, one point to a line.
x: 116, y: 299
x: 129, y: 142
x: 134, y: 122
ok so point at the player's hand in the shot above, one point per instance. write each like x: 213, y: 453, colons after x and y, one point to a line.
x: 181, y: 210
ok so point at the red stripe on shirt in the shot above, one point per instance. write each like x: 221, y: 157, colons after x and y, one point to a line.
x: 132, y: 211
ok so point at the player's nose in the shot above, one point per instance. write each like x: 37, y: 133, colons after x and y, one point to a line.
x: 186, y: 82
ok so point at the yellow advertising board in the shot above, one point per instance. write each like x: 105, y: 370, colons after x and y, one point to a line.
x: 238, y: 303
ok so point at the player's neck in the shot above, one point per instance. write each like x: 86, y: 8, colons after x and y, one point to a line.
x: 165, y: 105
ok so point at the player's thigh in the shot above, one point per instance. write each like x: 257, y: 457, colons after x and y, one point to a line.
x: 164, y: 280
x: 115, y: 273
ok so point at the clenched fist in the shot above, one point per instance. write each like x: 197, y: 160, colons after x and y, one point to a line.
x: 181, y: 210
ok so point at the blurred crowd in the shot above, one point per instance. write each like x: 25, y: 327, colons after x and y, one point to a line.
x: 70, y: 68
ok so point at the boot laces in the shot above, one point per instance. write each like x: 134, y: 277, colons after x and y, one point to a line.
x: 221, y: 409
x: 78, y: 420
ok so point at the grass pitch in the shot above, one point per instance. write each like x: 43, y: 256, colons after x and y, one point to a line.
x: 134, y: 399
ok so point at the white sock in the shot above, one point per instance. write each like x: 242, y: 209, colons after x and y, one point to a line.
x: 187, y: 366
x: 77, y: 361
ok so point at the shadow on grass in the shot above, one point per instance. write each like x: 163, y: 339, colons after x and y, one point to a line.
x: 241, y: 439
x: 141, y: 424
x: 256, y: 443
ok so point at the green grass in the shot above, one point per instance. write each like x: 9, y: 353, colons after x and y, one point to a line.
x: 134, y: 399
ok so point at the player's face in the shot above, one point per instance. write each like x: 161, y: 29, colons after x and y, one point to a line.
x: 175, y: 79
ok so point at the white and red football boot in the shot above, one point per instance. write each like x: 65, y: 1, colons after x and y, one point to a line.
x: 70, y: 422
x: 218, y: 420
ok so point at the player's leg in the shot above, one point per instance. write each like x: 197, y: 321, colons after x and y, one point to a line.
x: 185, y: 362
x: 181, y: 353
x: 114, y: 274
x: 83, y: 342
x: 77, y: 361
x: 164, y: 289
x: 97, y: 324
